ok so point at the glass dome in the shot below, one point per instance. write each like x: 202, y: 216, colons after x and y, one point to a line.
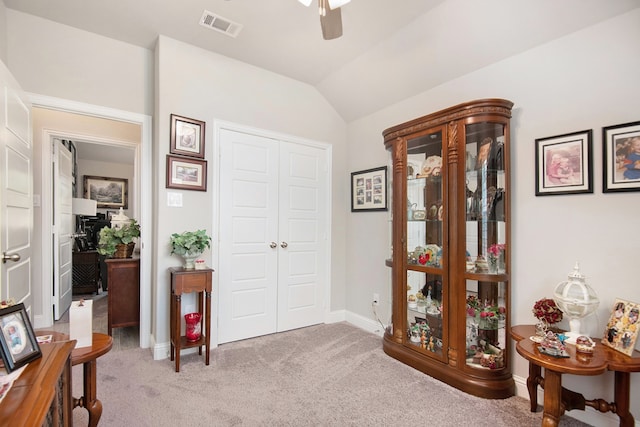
x: 576, y: 299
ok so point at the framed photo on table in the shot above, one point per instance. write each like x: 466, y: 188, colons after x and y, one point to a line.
x: 564, y: 164
x: 621, y: 332
x: 186, y: 174
x: 369, y: 190
x: 187, y: 136
x: 109, y: 193
x: 18, y: 343
x: 621, y: 157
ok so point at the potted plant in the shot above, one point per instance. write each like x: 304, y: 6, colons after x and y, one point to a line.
x: 190, y: 245
x: 119, y: 242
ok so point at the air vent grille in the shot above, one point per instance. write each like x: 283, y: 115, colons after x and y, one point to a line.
x: 220, y: 24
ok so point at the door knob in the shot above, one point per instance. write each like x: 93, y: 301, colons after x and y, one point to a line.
x: 283, y: 245
x: 273, y: 245
x: 10, y: 257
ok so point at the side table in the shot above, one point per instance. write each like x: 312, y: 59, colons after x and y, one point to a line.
x: 101, y: 344
x: 186, y: 281
x: 558, y: 399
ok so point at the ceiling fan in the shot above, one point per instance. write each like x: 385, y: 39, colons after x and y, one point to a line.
x: 330, y: 17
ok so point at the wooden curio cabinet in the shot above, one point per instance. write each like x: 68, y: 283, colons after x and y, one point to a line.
x: 450, y: 246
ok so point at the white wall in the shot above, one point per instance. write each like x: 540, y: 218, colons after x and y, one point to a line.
x: 586, y: 80
x: 59, y: 61
x: 214, y: 87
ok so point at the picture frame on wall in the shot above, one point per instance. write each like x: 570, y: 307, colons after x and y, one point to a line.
x: 109, y: 193
x: 186, y: 173
x: 187, y: 136
x: 621, y: 157
x: 564, y: 164
x: 621, y: 332
x: 369, y: 190
x: 18, y: 343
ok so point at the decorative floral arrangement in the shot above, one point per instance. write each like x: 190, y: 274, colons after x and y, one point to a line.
x: 546, y: 310
x: 485, y: 311
x: 496, y: 250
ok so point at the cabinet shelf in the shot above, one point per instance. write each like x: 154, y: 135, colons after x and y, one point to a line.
x: 450, y: 219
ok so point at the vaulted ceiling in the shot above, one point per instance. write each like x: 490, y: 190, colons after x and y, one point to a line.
x: 390, y: 50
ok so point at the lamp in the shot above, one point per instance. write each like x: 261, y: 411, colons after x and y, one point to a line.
x: 83, y: 207
x: 577, y: 300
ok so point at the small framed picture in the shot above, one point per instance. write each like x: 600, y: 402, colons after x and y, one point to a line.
x: 109, y: 193
x: 186, y: 174
x: 621, y: 157
x: 621, y: 332
x: 18, y: 343
x: 187, y: 137
x: 369, y: 190
x: 564, y: 164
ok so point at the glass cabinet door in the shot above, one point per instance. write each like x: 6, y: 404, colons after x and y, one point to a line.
x: 424, y: 243
x: 486, y: 245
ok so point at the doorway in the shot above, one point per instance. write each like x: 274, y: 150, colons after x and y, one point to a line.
x: 141, y: 187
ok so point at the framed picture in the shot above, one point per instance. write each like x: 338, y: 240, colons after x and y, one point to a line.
x: 369, y: 190
x: 18, y: 343
x: 109, y: 193
x: 621, y: 157
x: 621, y: 332
x: 186, y: 173
x: 187, y: 137
x: 564, y: 164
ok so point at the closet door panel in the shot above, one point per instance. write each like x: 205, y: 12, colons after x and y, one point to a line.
x: 302, y: 263
x: 249, y: 225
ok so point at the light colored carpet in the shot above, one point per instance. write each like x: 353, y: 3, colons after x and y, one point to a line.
x: 325, y: 375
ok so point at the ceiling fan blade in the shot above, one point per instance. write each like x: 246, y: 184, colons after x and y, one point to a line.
x: 331, y: 23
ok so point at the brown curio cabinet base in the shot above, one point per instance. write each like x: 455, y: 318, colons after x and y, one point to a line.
x: 450, y: 246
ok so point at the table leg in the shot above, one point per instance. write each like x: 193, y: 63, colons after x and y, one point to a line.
x: 178, y: 332
x: 208, y: 322
x: 552, y: 398
x: 535, y: 372
x: 89, y: 400
x: 621, y: 394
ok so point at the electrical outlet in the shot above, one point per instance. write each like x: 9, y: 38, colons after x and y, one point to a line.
x: 376, y: 299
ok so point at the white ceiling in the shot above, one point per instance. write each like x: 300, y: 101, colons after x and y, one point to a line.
x: 390, y: 50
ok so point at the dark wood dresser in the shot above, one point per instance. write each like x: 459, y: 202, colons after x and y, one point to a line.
x: 86, y: 272
x: 124, y: 292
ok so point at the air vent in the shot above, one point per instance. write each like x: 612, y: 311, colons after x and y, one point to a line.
x: 220, y: 24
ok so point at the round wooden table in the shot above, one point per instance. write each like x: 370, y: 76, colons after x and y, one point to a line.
x: 87, y: 356
x: 558, y: 399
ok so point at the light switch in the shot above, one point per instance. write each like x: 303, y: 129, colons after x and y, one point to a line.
x: 174, y: 200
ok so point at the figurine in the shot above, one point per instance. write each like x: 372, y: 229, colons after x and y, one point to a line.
x: 431, y: 344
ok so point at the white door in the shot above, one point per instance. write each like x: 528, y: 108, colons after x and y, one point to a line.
x: 272, y: 236
x: 16, y: 192
x: 248, y: 236
x: 302, y: 262
x: 62, y: 229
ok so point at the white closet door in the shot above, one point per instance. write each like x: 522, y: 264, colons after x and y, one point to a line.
x: 273, y: 265
x: 248, y: 226
x: 302, y: 263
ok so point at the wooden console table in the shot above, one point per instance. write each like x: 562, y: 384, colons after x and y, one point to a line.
x: 182, y: 282
x: 124, y: 292
x: 42, y: 393
x: 558, y: 399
